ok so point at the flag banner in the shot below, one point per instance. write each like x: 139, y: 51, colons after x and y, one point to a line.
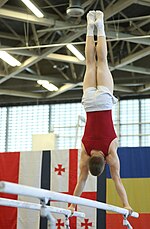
x: 23, y: 168
x: 135, y: 174
x: 64, y: 175
x: 59, y: 172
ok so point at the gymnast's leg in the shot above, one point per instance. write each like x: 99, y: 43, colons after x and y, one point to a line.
x: 90, y: 74
x: 104, y: 77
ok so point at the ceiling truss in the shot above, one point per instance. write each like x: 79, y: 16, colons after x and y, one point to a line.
x: 57, y: 28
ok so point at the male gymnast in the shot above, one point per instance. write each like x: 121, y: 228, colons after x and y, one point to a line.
x: 99, y: 142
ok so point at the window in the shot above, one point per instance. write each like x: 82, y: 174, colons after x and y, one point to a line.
x: 145, y: 122
x: 23, y: 122
x: 115, y: 116
x: 129, y: 123
x: 67, y: 121
x: 135, y: 122
x: 3, y: 128
x: 67, y: 124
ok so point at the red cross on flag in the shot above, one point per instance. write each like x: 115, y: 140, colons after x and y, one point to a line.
x: 59, y: 224
x: 64, y: 175
x: 86, y: 224
x: 59, y: 169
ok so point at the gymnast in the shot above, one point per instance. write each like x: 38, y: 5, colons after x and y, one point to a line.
x: 99, y: 142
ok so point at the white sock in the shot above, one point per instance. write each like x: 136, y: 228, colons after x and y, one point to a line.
x: 100, y: 24
x: 90, y: 23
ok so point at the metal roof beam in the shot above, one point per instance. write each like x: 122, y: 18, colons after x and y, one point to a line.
x: 10, y: 36
x: 110, y: 34
x: 2, y: 2
x: 74, y: 60
x: 144, y: 88
x: 140, y: 24
x: 123, y: 89
x: 144, y: 2
x: 133, y: 57
x: 34, y: 59
x: 55, y: 9
x: 126, y: 36
x: 66, y: 87
x: 140, y: 70
x: 117, y: 7
x: 55, y: 79
x: 69, y: 87
x: 19, y: 52
x: 36, y: 77
x: 64, y: 58
x: 20, y: 94
x: 24, y: 17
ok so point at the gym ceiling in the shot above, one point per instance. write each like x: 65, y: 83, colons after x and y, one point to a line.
x: 39, y: 44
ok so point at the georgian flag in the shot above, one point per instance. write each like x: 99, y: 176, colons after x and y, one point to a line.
x: 23, y: 168
x: 64, y: 175
x: 33, y: 169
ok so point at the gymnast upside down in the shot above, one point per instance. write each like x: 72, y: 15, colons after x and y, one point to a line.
x: 99, y: 142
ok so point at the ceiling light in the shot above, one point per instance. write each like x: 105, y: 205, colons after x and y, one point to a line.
x: 9, y: 59
x: 47, y: 85
x: 33, y: 8
x: 75, y: 52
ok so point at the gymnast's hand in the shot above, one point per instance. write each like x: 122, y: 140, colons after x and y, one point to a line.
x: 72, y: 209
x: 129, y: 209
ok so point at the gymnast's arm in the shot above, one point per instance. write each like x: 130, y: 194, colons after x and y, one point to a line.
x: 84, y: 171
x: 114, y: 165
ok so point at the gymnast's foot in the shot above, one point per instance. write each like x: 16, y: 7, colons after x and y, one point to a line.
x: 99, y: 23
x: 90, y: 22
x: 99, y: 18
